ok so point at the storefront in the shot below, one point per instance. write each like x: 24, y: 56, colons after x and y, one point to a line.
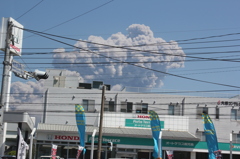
x: 127, y: 143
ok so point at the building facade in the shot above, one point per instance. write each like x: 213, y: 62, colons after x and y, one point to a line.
x: 126, y: 121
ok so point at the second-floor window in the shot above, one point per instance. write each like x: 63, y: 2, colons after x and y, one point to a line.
x: 88, y: 105
x: 201, y: 135
x: 238, y: 138
x: 201, y: 110
x: 126, y: 107
x: 142, y: 108
x: 173, y: 109
x: 109, y: 106
x: 235, y: 114
x: 217, y: 112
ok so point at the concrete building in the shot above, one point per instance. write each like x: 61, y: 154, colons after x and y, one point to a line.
x: 126, y: 120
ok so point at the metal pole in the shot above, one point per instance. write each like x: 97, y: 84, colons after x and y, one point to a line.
x: 231, y: 145
x: 101, y: 121
x: 4, y: 90
x: 92, y: 144
x: 31, y: 143
x: 160, y: 144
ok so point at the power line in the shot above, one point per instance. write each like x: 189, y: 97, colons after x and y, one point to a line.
x: 112, y: 51
x: 121, y: 47
x: 77, y: 16
x: 29, y: 10
x: 157, y: 93
x: 203, y: 81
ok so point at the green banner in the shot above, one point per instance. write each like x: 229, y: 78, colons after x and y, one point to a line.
x: 140, y: 123
x: 165, y: 142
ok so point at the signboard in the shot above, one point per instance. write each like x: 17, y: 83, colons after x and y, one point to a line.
x: 140, y: 123
x: 17, y: 34
x: 165, y: 142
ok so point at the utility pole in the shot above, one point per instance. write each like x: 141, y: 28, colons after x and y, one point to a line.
x: 5, y: 86
x: 101, y: 122
x: 11, y: 43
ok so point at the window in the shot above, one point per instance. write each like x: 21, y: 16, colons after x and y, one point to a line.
x: 203, y: 138
x: 201, y: 110
x: 88, y: 105
x: 238, y: 138
x: 201, y: 135
x: 142, y: 108
x: 109, y: 106
x: 126, y: 107
x: 235, y: 114
x: 217, y: 113
x: 173, y: 109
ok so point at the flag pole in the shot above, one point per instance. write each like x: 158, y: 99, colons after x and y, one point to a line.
x: 230, y: 145
x: 160, y: 144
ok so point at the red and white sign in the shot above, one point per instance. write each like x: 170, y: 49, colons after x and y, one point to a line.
x: 54, y: 151
x: 143, y: 116
x: 80, y: 149
x: 17, y: 36
x: 218, y: 154
x: 65, y: 137
x: 169, y: 154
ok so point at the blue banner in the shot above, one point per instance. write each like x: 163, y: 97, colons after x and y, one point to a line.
x: 211, y: 136
x: 81, y: 123
x: 156, y: 133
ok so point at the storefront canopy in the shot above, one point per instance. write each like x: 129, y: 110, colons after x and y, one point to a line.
x: 121, y: 132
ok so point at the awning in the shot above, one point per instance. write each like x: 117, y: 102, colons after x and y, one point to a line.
x: 124, y: 132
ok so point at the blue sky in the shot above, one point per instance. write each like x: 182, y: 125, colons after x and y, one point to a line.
x: 168, y: 20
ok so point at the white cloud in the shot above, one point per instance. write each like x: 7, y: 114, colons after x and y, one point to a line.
x: 117, y: 87
x: 159, y: 56
x: 118, y: 74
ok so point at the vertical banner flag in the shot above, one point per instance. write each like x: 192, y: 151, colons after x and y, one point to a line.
x: 54, y: 151
x: 22, y: 146
x: 169, y: 154
x: 81, y: 123
x: 80, y: 148
x: 157, y: 134
x: 211, y: 136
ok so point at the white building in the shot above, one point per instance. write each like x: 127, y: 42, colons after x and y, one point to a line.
x: 126, y: 120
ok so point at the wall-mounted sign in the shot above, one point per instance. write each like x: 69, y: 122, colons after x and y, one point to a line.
x: 141, y: 123
x: 17, y: 36
x: 231, y: 103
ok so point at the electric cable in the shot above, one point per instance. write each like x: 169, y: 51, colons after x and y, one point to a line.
x: 77, y: 16
x: 30, y: 9
x: 121, y: 47
x: 203, y: 81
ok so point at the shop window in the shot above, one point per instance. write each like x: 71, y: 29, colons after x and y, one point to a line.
x: 142, y: 108
x: 217, y: 112
x: 109, y: 106
x: 201, y: 110
x: 88, y: 105
x: 126, y: 107
x: 173, y: 109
